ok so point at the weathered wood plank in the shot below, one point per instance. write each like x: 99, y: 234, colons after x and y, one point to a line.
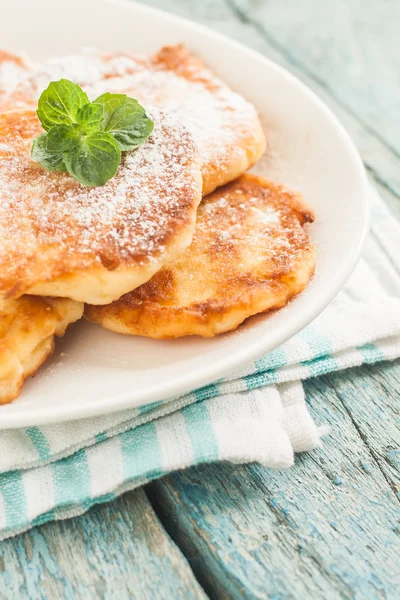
x: 229, y: 17
x: 328, y: 46
x: 116, y: 550
x: 328, y: 528
x: 353, y: 50
x: 375, y: 415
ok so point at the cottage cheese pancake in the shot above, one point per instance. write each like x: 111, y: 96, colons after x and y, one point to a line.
x: 226, y: 128
x: 27, y: 329
x: 249, y: 254
x: 59, y: 238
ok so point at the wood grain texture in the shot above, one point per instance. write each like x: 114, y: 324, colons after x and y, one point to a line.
x: 351, y: 49
x: 328, y: 528
x: 117, y: 550
x: 348, y: 53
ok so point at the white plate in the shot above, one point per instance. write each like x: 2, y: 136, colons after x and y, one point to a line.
x: 94, y: 371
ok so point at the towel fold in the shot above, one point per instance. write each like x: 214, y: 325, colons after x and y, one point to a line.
x: 258, y: 414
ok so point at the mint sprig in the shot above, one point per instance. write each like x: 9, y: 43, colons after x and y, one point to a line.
x: 86, y: 138
x: 125, y: 119
x: 59, y: 103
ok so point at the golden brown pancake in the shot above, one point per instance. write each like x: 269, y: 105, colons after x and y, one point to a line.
x: 225, y: 127
x: 27, y: 329
x: 249, y: 254
x: 59, y: 238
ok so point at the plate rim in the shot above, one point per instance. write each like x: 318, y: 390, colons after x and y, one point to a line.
x: 191, y: 381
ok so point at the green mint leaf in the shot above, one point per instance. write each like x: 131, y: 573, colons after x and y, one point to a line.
x: 48, y: 148
x: 110, y: 102
x: 62, y: 138
x: 125, y: 119
x: 60, y: 102
x: 86, y: 138
x: 94, y: 160
x: 52, y: 161
x: 90, y: 117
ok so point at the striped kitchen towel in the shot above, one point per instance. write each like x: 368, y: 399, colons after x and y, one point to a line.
x: 257, y: 414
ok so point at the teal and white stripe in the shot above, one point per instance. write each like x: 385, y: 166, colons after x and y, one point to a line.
x: 257, y: 414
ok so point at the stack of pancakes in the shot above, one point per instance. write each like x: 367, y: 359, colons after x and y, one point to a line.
x: 180, y: 242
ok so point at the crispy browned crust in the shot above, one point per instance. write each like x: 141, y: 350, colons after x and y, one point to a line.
x: 59, y: 238
x: 249, y: 254
x: 27, y: 329
x: 226, y: 128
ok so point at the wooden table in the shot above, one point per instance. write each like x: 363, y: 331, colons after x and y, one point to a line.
x: 329, y: 527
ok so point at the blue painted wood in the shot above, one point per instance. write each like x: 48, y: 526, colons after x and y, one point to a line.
x: 117, y: 550
x: 352, y: 49
x: 327, y: 528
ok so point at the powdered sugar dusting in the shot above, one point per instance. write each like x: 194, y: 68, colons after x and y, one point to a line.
x: 221, y: 121
x: 13, y: 69
x: 256, y: 222
x: 246, y: 210
x: 218, y: 118
x: 48, y: 218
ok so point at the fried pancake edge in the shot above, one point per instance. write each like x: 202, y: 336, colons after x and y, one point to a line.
x: 27, y: 329
x: 141, y: 314
x: 89, y: 284
x: 102, y: 281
